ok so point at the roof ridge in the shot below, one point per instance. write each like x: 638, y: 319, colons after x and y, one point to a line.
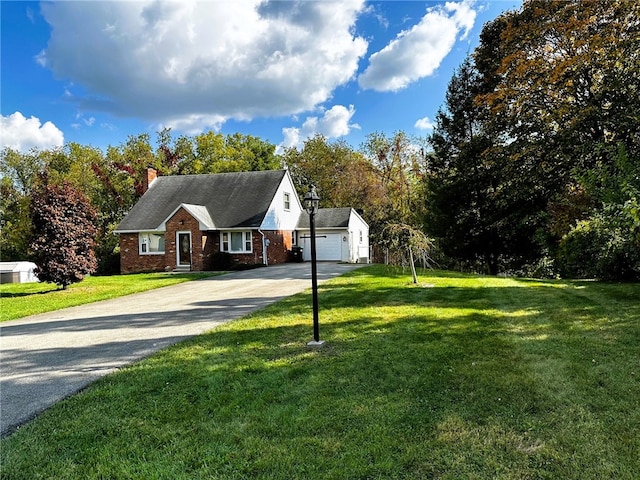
x: 232, y: 199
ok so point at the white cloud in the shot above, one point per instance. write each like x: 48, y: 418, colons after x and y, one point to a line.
x: 79, y: 116
x: 291, y: 139
x: 41, y: 58
x: 418, y: 52
x: 334, y: 123
x: 195, y: 123
x: 23, y: 134
x: 30, y: 15
x: 424, y: 124
x: 197, y: 63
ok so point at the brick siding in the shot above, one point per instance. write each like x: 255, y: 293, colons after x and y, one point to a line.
x: 204, y: 247
x: 279, y: 249
x: 132, y: 262
x: 182, y: 221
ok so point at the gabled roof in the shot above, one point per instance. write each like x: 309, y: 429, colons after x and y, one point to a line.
x: 199, y: 212
x: 327, y: 218
x: 223, y: 200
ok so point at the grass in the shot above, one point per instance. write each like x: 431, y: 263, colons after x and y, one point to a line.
x: 22, y: 299
x: 463, y: 377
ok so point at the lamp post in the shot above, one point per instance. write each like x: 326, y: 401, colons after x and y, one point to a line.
x: 311, y: 201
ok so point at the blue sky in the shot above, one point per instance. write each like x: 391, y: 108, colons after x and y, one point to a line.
x: 96, y: 72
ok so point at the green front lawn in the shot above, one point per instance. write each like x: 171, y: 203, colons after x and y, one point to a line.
x: 22, y: 299
x: 462, y: 377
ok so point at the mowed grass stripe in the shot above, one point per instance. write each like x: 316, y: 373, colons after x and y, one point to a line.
x: 458, y: 377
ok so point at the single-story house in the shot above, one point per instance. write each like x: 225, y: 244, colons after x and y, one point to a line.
x: 194, y: 222
x: 18, y: 272
x: 341, y: 234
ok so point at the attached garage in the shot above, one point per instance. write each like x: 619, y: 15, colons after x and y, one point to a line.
x: 328, y: 247
x: 341, y: 236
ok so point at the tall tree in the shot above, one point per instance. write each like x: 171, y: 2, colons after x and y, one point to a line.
x: 554, y: 82
x: 400, y: 165
x: 253, y: 153
x: 63, y: 229
x: 21, y: 169
x: 107, y: 185
x: 218, y: 153
x: 132, y: 159
x: 399, y: 161
x: 342, y: 176
x: 568, y: 90
x: 174, y: 154
x: 15, y: 223
x: 18, y: 172
x: 464, y: 204
x: 569, y: 73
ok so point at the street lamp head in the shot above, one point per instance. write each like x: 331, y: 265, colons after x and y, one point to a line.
x: 311, y: 200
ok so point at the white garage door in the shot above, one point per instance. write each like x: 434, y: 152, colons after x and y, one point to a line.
x: 328, y: 247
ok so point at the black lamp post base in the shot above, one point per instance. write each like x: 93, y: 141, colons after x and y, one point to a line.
x: 316, y: 344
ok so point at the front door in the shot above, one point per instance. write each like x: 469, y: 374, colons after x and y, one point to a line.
x: 184, y: 249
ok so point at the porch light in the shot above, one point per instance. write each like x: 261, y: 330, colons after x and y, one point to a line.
x: 311, y: 201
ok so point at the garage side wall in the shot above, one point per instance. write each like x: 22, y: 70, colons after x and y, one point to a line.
x: 359, y: 244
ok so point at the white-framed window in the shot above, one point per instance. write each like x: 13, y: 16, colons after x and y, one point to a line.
x: 361, y: 237
x: 287, y: 201
x: 150, y: 243
x: 236, y: 242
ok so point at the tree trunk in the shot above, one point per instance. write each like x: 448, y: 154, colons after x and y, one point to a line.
x: 413, y: 266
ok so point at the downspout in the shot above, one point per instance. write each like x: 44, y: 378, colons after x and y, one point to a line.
x: 264, y: 249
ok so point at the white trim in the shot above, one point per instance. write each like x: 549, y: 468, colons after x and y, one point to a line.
x: 244, y: 240
x: 141, y: 243
x: 178, y: 233
x: 199, y: 212
x: 337, y: 229
x: 265, y: 246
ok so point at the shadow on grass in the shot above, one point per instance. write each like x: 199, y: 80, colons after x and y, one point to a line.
x: 445, y: 382
x: 379, y: 401
x: 26, y: 294
x: 22, y: 290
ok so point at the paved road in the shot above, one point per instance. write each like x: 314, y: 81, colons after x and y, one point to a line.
x: 45, y: 358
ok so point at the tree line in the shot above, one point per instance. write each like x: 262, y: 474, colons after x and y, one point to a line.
x: 533, y: 167
x: 536, y: 149
x: 109, y: 184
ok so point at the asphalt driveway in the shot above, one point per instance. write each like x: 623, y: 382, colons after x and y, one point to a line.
x: 45, y: 358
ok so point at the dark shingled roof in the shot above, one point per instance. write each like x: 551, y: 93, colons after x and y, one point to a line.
x: 233, y: 200
x: 327, y: 218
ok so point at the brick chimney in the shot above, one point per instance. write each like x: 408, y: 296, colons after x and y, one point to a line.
x: 148, y: 179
